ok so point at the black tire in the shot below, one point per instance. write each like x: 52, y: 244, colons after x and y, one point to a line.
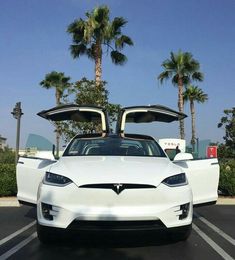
x: 180, y: 233
x: 49, y: 235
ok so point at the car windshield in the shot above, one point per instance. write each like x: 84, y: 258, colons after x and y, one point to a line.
x: 113, y: 146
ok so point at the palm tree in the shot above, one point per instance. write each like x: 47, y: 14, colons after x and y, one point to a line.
x: 90, y: 36
x: 182, y: 68
x: 60, y: 82
x: 192, y: 94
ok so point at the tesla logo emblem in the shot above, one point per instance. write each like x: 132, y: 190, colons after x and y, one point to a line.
x: 118, y: 188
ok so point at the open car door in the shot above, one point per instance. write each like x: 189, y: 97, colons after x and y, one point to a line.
x: 29, y: 173
x: 30, y: 170
x: 203, y: 177
x: 146, y: 114
x: 78, y: 114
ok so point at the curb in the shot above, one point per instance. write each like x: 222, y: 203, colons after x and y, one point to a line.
x: 9, y: 202
x: 225, y: 201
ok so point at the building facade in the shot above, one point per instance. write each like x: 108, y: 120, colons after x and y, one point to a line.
x: 3, y: 143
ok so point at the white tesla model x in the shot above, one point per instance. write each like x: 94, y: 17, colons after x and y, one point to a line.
x: 115, y: 182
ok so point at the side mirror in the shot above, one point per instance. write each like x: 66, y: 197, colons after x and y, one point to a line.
x: 53, y: 151
x: 183, y: 156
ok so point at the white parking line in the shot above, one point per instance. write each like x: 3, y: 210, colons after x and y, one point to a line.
x: 216, y: 229
x: 16, y: 248
x: 4, y: 240
x: 216, y: 247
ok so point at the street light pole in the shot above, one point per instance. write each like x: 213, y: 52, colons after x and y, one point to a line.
x: 17, y: 113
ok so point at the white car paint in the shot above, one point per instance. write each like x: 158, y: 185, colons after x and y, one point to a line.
x: 115, y: 169
x: 71, y: 203
x: 203, y: 178
x: 30, y: 172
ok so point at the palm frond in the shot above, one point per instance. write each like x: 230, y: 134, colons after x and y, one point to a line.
x: 76, y: 26
x: 79, y: 31
x: 118, y: 58
x: 101, y: 14
x: 117, y: 24
x: 197, y: 75
x: 56, y: 80
x: 77, y: 50
x: 122, y: 41
x: 183, y: 66
x: 91, y: 52
x: 194, y: 93
x: 187, y: 56
x: 97, y: 29
x: 186, y: 80
x: 169, y: 65
x: 45, y: 84
x: 175, y: 79
x: 172, y: 58
x: 164, y: 76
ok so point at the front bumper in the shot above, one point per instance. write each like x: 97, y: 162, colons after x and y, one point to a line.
x: 91, y: 208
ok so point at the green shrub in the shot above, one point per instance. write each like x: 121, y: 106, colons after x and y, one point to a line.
x: 7, y: 156
x: 227, y: 177
x: 7, y: 179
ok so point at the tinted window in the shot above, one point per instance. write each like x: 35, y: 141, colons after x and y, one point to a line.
x: 113, y: 147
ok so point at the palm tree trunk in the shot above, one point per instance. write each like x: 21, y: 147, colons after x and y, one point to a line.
x: 181, y: 106
x: 58, y: 96
x: 98, y: 63
x: 193, y: 140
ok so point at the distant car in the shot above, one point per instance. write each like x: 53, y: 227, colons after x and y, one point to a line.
x: 115, y: 182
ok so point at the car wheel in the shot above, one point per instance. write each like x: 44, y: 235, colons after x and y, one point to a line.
x: 180, y: 233
x: 48, y: 235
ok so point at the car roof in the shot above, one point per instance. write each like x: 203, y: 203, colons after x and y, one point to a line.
x: 124, y: 136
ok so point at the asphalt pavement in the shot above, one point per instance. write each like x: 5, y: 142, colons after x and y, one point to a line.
x: 212, y: 238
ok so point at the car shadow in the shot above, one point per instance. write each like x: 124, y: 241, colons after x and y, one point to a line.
x: 115, y: 239
x: 85, y: 253
x: 103, y: 246
x: 31, y: 212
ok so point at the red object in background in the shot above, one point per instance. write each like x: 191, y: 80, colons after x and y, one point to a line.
x: 211, y: 152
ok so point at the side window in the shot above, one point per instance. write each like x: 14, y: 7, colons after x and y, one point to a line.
x: 134, y: 151
x: 171, y: 153
x: 74, y: 149
x: 135, y: 148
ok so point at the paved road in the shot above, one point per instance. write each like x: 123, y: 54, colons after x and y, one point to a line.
x: 212, y: 238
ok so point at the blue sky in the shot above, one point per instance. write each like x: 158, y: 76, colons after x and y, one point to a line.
x: 33, y: 42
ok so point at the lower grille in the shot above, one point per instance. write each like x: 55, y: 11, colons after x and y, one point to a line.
x: 116, y: 225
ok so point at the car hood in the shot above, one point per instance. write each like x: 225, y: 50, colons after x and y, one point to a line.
x: 115, y: 169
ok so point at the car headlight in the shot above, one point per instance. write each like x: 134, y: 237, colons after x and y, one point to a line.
x: 176, y: 180
x: 56, y: 179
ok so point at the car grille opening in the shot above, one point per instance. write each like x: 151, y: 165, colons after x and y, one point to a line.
x: 185, y: 210
x: 49, y: 211
x: 46, y: 208
x: 116, y: 225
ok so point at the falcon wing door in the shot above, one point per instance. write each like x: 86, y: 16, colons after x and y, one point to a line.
x: 78, y: 114
x: 147, y: 114
x: 30, y: 171
x: 29, y: 174
x: 203, y: 177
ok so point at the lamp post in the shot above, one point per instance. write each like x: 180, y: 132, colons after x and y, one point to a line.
x: 17, y: 113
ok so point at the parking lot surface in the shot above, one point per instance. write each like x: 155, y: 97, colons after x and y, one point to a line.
x: 212, y: 238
